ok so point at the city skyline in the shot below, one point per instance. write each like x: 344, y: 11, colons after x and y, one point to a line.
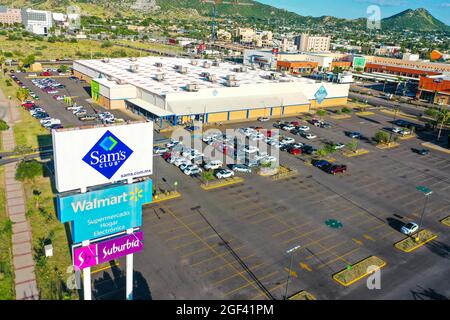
x: 440, y: 9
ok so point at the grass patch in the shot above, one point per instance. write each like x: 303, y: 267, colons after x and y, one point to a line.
x: 151, y: 46
x: 6, y: 272
x: 390, y: 145
x: 341, y: 116
x: 30, y: 133
x: 358, y: 270
x: 284, y: 173
x: 356, y: 153
x: 416, y: 241
x: 50, y: 272
x: 446, y: 221
x: 302, y: 295
x: 164, y: 196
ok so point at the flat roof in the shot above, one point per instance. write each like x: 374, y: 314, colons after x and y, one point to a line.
x: 150, y: 107
x: 174, y: 81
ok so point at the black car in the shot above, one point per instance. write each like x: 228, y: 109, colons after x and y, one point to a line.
x: 41, y: 115
x: 422, y: 152
x: 325, y: 125
x: 285, y: 147
x: 309, y: 149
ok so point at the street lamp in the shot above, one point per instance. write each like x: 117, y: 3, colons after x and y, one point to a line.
x: 427, y: 192
x: 291, y: 252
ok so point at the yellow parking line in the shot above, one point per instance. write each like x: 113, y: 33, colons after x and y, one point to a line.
x: 368, y: 237
x: 301, y: 236
x: 116, y: 264
x: 177, y: 227
x: 236, y: 274
x: 262, y: 220
x: 187, y: 234
x: 323, y: 251
x: 197, y: 251
x: 225, y: 265
x: 246, y: 285
x: 257, y: 212
x: 291, y: 229
x: 214, y: 257
x: 341, y: 257
x: 281, y: 285
x: 212, y: 249
x: 192, y: 242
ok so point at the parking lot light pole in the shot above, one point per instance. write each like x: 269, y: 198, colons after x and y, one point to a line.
x: 427, y: 192
x: 291, y: 252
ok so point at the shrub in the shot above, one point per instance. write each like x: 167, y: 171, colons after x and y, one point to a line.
x: 346, y: 110
x: 3, y: 125
x: 381, y: 137
x: 29, y: 170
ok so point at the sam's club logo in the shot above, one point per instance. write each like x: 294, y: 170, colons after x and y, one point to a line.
x: 108, y: 155
x: 321, y: 94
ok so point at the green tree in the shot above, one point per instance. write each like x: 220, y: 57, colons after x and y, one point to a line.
x: 207, y: 176
x: 63, y: 68
x: 29, y: 170
x: 442, y: 119
x: 22, y: 94
x: 353, y: 145
x: 382, y: 137
x: 3, y: 125
x: 321, y: 112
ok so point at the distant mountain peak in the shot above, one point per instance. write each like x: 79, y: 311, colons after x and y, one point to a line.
x: 419, y: 19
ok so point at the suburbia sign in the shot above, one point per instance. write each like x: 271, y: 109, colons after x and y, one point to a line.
x: 97, y: 253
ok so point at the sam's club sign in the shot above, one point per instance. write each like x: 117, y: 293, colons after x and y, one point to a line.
x: 108, y: 155
x: 104, y: 212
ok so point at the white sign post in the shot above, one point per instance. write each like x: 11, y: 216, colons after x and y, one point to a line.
x: 87, y: 290
x: 129, y: 280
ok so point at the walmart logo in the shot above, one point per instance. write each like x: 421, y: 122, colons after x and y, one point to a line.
x: 321, y: 94
x: 108, y: 155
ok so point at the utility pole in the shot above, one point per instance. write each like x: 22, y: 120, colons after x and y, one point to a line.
x: 427, y: 192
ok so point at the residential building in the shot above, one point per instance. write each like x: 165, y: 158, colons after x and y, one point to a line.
x: 10, y: 16
x: 307, y: 43
x: 37, y: 21
x: 245, y: 35
x: 223, y: 35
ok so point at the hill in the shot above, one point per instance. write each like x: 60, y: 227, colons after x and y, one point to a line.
x: 419, y: 20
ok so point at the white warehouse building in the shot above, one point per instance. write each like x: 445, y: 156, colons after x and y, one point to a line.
x: 180, y: 90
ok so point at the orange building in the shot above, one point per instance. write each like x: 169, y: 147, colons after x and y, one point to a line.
x: 435, y: 89
x: 345, y: 65
x: 297, y: 67
x: 399, y: 71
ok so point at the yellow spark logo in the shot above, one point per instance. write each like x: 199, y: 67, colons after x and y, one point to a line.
x: 136, y: 194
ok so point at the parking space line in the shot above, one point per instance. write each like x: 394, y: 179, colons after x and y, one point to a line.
x: 198, y: 251
x: 192, y: 242
x: 323, y: 251
x: 236, y: 274
x: 187, y: 234
x: 214, y: 257
x: 225, y: 265
x: 279, y: 286
x: 341, y: 257
x: 291, y: 229
x: 213, y: 250
x: 301, y: 235
x: 177, y: 227
x: 246, y: 285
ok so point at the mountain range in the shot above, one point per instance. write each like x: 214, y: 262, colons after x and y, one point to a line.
x: 415, y: 20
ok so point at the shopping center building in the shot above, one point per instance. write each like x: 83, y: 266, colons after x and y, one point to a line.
x: 180, y: 90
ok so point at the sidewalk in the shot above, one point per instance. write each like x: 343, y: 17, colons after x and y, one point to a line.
x: 23, y: 263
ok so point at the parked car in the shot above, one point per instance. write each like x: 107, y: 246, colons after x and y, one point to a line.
x: 288, y: 127
x: 224, y: 173
x: 309, y: 149
x: 409, y: 228
x: 159, y: 150
x: 166, y: 155
x: 396, y: 129
x: 241, y: 168
x: 304, y: 128
x: 422, y: 152
x: 295, y: 151
x: 191, y: 170
x: 354, y: 135
x: 310, y: 136
x: 213, y: 165
x: 338, y: 146
x: 87, y: 117
x: 334, y: 169
x: 263, y: 119
x: 250, y: 149
x: 288, y: 140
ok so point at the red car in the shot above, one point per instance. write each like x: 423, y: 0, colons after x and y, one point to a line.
x: 45, y: 74
x: 270, y: 133
x: 28, y: 105
x: 295, y: 151
x: 166, y: 156
x: 295, y: 123
x: 334, y: 169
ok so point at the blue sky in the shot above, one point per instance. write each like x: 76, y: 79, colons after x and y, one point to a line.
x: 357, y: 8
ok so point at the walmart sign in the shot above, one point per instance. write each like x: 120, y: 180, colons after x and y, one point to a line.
x: 104, y: 212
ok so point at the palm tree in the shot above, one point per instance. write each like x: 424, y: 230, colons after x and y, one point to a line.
x: 443, y: 118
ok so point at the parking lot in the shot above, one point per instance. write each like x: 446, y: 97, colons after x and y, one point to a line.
x: 231, y: 242
x: 79, y: 92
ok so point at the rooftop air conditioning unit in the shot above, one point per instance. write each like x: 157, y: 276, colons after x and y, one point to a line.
x: 194, y: 62
x: 183, y: 70
x: 106, y: 60
x: 192, y: 87
x: 205, y: 74
x: 232, y: 83
x: 206, y: 64
x: 212, y: 78
x: 158, y: 65
x: 231, y: 77
x: 133, y: 59
x: 273, y: 76
x: 160, y: 77
x: 216, y: 63
x: 134, y: 68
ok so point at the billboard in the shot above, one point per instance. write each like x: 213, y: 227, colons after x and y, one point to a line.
x: 104, y: 212
x: 359, y: 62
x: 102, y: 155
x: 95, y: 90
x: 97, y: 253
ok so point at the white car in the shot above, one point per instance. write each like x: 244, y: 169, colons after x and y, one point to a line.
x: 297, y: 145
x: 310, y: 136
x: 173, y: 143
x: 288, y: 127
x: 304, y: 128
x: 288, y: 140
x: 396, y: 130
x: 268, y: 159
x: 213, y: 165
x: 159, y: 150
x: 338, y: 146
x: 405, y: 132
x: 191, y: 170
x: 51, y: 122
x: 179, y: 161
x: 242, y: 168
x: 247, y: 131
x: 36, y: 111
x: 410, y: 228
x: 263, y: 119
x: 250, y: 149
x: 276, y: 145
x: 257, y: 136
x: 225, y: 173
